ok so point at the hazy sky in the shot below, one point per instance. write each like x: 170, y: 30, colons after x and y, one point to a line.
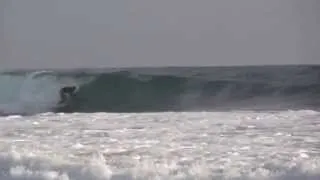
x: 101, y: 33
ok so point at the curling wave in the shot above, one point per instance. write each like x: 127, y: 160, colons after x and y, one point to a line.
x: 170, y: 89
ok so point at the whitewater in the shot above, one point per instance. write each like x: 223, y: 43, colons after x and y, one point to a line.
x: 172, y: 145
x: 182, y: 123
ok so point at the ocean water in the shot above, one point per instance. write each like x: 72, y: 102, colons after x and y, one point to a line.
x: 162, y: 123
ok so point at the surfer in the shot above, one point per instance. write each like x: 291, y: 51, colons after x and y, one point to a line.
x: 66, y: 92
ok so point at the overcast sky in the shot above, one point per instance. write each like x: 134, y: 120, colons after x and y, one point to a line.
x: 102, y: 33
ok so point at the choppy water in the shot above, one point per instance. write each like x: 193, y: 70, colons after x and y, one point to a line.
x: 171, y: 145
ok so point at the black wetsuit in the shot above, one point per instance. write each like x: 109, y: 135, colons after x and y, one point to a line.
x: 66, y: 92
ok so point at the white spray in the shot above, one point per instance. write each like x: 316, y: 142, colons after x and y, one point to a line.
x: 36, y: 93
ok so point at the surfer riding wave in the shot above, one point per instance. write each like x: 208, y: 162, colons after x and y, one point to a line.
x: 66, y: 92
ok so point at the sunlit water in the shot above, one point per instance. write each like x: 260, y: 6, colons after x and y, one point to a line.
x: 161, y: 146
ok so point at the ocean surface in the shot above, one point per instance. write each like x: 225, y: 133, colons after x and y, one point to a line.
x: 249, y: 122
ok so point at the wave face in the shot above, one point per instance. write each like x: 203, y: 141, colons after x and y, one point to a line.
x: 164, y: 89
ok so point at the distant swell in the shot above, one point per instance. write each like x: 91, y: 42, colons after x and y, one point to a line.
x: 178, y: 89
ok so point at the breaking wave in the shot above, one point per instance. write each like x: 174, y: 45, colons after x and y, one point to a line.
x: 163, y: 89
x: 29, y: 93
